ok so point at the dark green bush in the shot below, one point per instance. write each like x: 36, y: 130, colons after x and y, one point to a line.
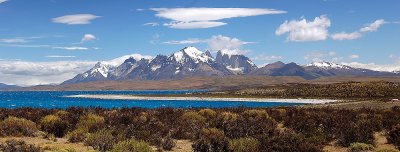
x: 168, y: 143
x: 394, y: 136
x: 54, y: 125
x: 288, y: 141
x: 13, y: 126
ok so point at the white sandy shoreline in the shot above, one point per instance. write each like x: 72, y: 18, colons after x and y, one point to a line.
x: 131, y: 97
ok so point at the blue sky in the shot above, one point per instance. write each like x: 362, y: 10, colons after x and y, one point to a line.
x: 362, y: 33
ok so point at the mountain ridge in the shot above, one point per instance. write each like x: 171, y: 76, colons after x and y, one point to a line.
x: 190, y: 62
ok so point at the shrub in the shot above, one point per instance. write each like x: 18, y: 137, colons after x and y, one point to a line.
x: 132, y: 146
x: 287, y: 141
x: 13, y: 126
x: 361, y: 131
x: 387, y: 150
x: 18, y: 146
x: 168, y: 143
x: 212, y: 140
x: 244, y: 145
x: 394, y: 136
x: 77, y: 135
x: 190, y: 124
x: 359, y: 147
x: 101, y: 140
x: 208, y: 113
x: 91, y: 123
x: 54, y: 125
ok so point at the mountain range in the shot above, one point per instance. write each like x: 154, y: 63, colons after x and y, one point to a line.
x: 190, y: 62
x: 6, y: 86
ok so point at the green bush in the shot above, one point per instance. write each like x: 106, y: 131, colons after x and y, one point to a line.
x: 54, y: 125
x: 13, y: 126
x: 208, y: 113
x: 190, y: 124
x: 212, y: 140
x: 77, y: 135
x: 361, y: 131
x: 360, y: 147
x: 91, y: 123
x: 18, y: 146
x: 132, y: 146
x: 101, y: 140
x: 394, y: 136
x: 244, y: 145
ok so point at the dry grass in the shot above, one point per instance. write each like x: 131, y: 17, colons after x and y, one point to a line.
x: 358, y: 105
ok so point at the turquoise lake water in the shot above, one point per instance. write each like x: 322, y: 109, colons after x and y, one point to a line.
x: 57, y: 99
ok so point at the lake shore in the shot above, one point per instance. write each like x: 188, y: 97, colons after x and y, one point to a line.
x: 167, y: 98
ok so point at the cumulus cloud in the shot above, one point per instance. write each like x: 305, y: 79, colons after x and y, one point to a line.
x: 192, y: 18
x: 27, y: 73
x: 75, y: 19
x: 227, y: 45
x: 303, y: 30
x: 2, y: 1
x: 151, y: 24
x: 372, y: 27
x: 71, y: 48
x: 88, y: 37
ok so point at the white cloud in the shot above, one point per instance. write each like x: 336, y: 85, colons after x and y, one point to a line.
x: 13, y: 40
x: 188, y: 41
x: 217, y: 42
x: 303, y: 30
x: 375, y: 67
x: 140, y: 9
x: 373, y: 26
x: 151, y: 24
x: 27, y: 73
x: 2, y: 1
x: 192, y: 18
x: 354, y: 56
x: 194, y: 25
x: 316, y: 56
x: 71, y: 48
x: 266, y: 58
x: 75, y: 19
x: 88, y: 37
x: 220, y: 42
x: 59, y: 56
x: 346, y: 36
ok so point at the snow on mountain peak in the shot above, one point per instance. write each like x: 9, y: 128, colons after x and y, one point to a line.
x: 323, y: 64
x: 193, y: 53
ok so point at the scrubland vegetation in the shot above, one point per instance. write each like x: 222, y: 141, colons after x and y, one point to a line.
x: 232, y: 130
x: 346, y: 90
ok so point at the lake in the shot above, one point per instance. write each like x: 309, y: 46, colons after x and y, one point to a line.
x: 57, y: 99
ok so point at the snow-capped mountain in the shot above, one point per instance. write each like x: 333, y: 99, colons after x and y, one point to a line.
x: 190, y: 62
x: 6, y: 86
x: 239, y: 64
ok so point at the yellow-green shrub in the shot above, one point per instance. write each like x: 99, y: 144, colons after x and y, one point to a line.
x: 131, y: 146
x: 13, y: 126
x: 244, y: 145
x: 53, y: 124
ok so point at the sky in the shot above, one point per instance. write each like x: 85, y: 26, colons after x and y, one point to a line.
x: 49, y: 41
